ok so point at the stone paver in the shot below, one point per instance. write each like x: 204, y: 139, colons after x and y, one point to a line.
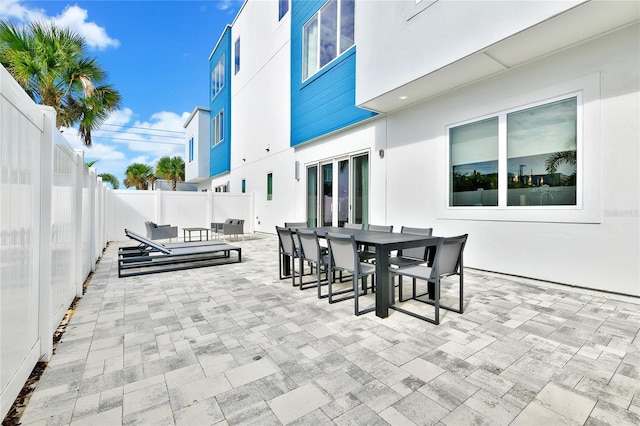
x: 232, y: 344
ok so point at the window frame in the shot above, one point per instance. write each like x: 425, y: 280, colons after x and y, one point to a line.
x: 270, y: 186
x: 503, y: 156
x: 217, y: 77
x: 236, y: 55
x: 317, y: 18
x: 283, y: 9
x: 191, y: 149
x: 217, y: 129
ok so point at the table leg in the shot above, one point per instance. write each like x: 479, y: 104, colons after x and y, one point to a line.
x: 383, y: 288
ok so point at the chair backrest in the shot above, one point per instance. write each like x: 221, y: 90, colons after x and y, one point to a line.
x: 149, y: 226
x: 139, y: 238
x: 349, y: 225
x: 309, y: 245
x: 449, y: 255
x: 418, y: 253
x: 344, y: 251
x: 295, y: 225
x: 381, y: 228
x: 286, y: 240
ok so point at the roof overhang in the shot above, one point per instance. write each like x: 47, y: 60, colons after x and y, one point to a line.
x: 575, y: 26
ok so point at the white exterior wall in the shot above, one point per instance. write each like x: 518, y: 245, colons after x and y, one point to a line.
x: 406, y: 40
x: 596, y: 246
x: 260, y: 114
x: 197, y: 127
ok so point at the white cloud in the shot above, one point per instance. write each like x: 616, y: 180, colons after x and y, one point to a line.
x: 73, y: 17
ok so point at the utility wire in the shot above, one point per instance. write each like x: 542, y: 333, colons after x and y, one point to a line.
x: 143, y: 128
x: 137, y: 140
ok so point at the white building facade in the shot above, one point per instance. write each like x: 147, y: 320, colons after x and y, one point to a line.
x: 515, y: 122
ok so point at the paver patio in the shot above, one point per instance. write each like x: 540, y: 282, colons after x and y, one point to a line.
x: 232, y: 344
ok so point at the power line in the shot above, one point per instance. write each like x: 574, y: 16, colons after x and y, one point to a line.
x: 143, y: 128
x: 141, y: 134
x: 137, y: 140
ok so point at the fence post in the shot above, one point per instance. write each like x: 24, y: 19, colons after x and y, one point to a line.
x: 78, y: 231
x: 92, y: 218
x: 45, y: 328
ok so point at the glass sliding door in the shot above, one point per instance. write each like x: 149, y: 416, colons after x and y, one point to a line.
x: 338, y: 191
x: 326, y: 209
x: 312, y: 196
x: 361, y: 189
x: 343, y: 192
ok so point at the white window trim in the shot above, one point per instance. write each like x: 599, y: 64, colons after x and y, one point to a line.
x: 589, y: 156
x: 219, y: 117
x: 214, y: 76
x: 503, y: 161
x: 316, y: 17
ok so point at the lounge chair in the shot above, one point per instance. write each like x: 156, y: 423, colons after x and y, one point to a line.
x: 150, y: 257
x: 233, y: 227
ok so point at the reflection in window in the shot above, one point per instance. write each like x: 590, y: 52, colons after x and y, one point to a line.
x: 312, y: 196
x: 474, y: 164
x: 283, y: 8
x: 328, y: 34
x: 539, y: 146
x: 269, y: 186
x: 217, y: 129
x: 244, y: 186
x: 237, y: 55
x: 217, y: 77
x: 541, y: 155
x: 191, y: 150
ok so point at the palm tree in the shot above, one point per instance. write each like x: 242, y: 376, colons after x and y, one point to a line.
x: 139, y: 175
x: 50, y: 64
x: 108, y: 177
x: 171, y: 169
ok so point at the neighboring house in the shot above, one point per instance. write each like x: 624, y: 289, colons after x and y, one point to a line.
x: 196, y: 167
x: 515, y: 122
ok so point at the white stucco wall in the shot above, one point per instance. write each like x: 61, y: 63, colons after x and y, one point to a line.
x: 260, y: 117
x: 596, y: 246
x: 405, y: 40
x: 197, y: 128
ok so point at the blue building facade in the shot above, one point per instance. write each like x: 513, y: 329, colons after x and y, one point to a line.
x: 220, y: 105
x: 325, y: 101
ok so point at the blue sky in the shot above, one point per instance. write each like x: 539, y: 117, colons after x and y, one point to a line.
x: 155, y: 53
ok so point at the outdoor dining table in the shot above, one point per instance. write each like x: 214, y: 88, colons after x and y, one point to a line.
x: 384, y: 243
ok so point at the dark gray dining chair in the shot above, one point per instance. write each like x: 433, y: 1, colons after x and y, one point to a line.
x: 349, y: 225
x: 287, y: 255
x: 313, y: 253
x: 447, y: 262
x: 343, y: 255
x: 412, y: 256
x: 368, y: 253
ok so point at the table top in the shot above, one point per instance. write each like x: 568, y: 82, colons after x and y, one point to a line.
x: 195, y: 229
x: 377, y: 238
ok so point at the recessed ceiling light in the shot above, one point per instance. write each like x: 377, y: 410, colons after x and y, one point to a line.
x: 403, y: 97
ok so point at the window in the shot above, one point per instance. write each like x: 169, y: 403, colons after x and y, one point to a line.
x: 269, y: 186
x: 327, y: 35
x: 525, y: 157
x: 191, y: 150
x: 217, y: 129
x: 283, y: 8
x: 237, y: 55
x: 244, y: 186
x: 217, y: 77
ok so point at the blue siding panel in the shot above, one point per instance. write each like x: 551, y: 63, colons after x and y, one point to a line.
x: 326, y: 101
x: 220, y: 155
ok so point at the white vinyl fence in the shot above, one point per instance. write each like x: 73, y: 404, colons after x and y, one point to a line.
x: 130, y: 209
x: 56, y: 217
x: 52, y: 231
